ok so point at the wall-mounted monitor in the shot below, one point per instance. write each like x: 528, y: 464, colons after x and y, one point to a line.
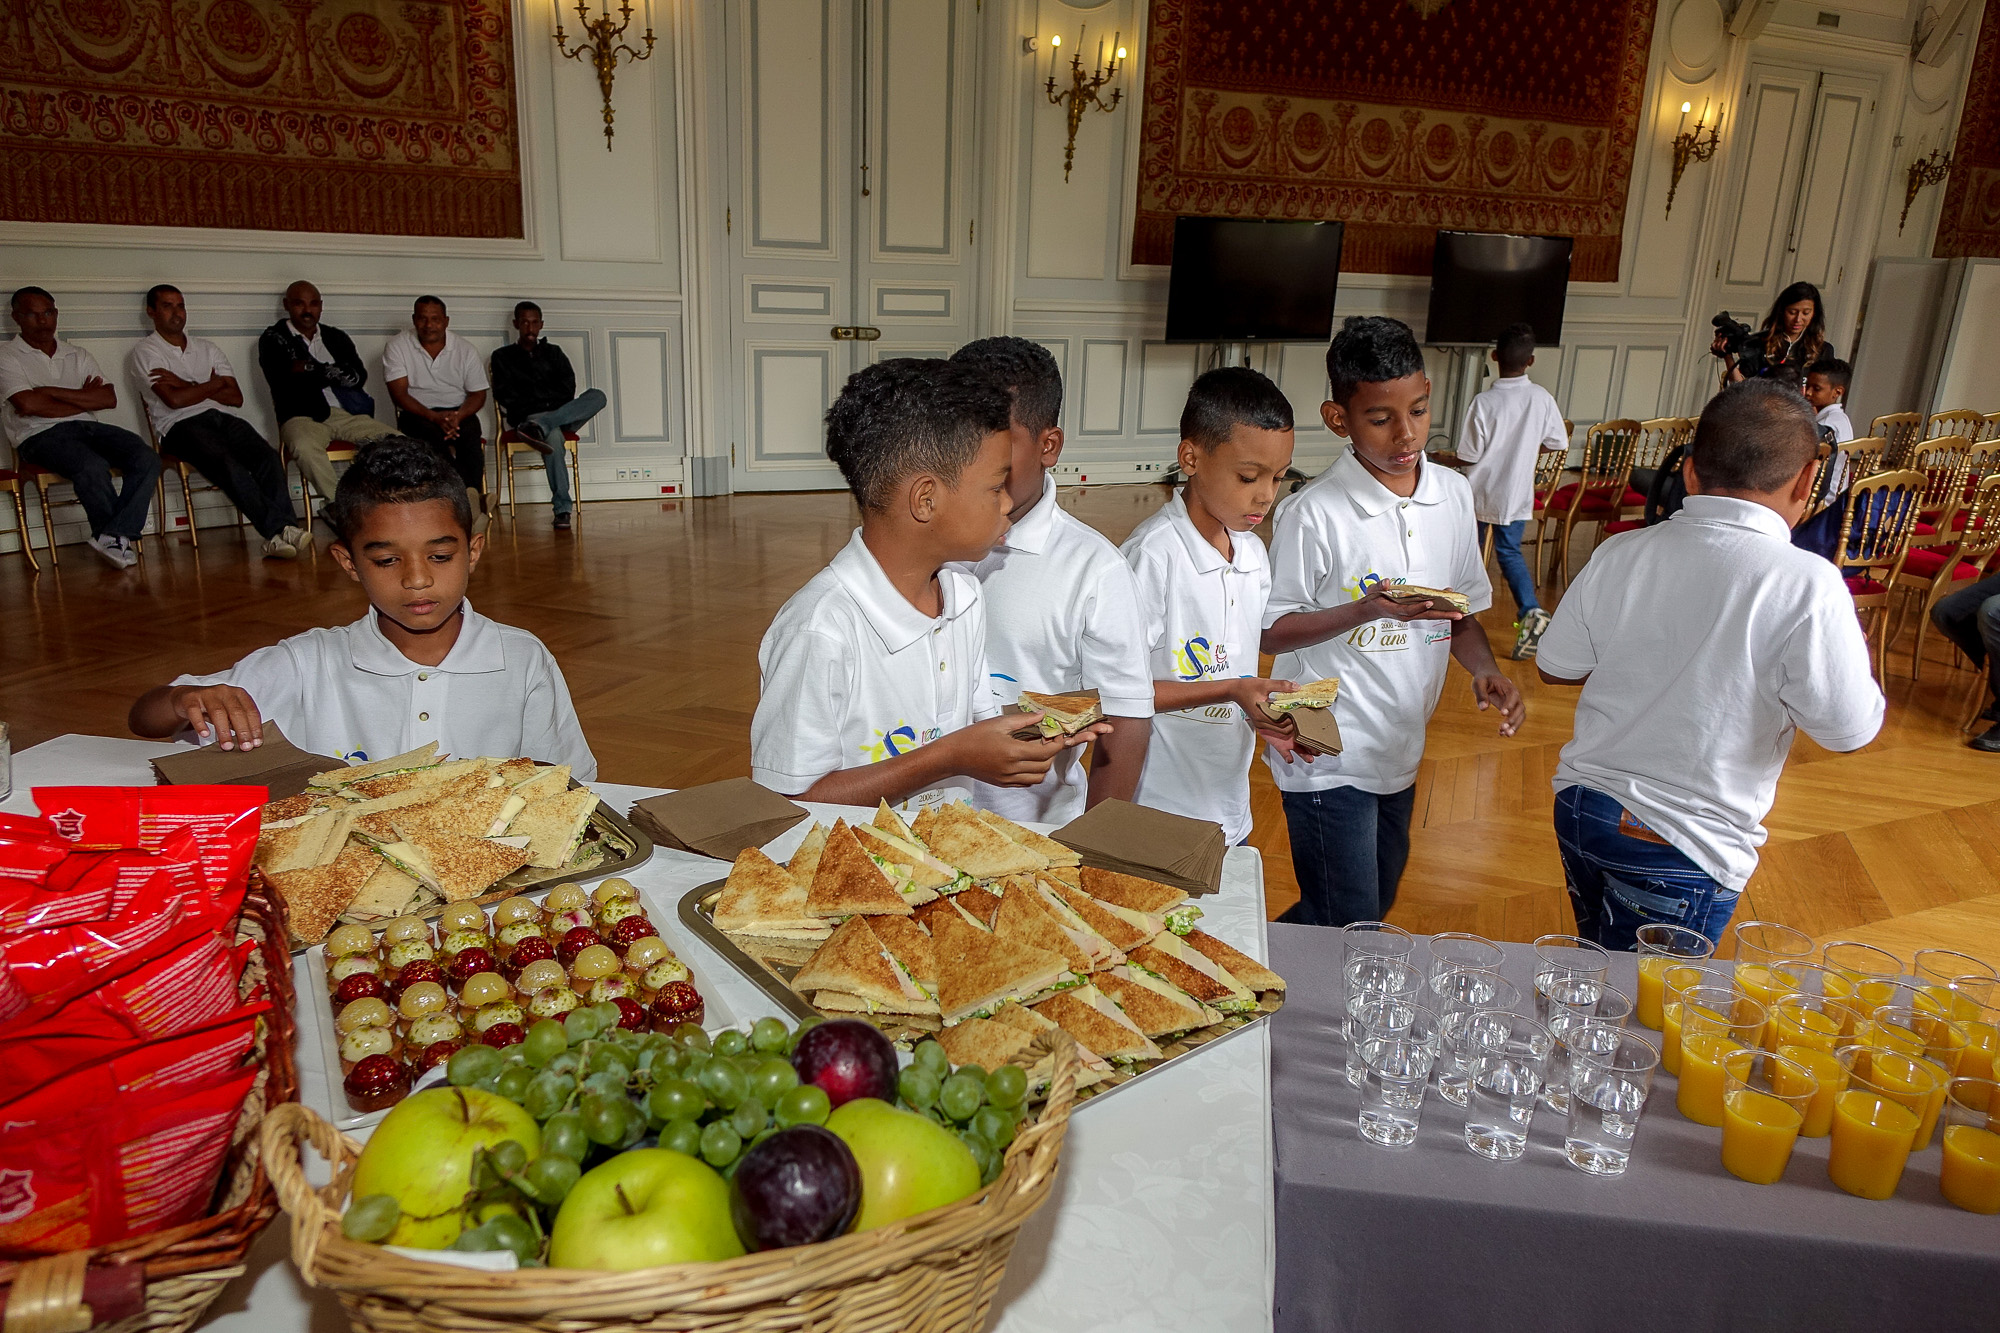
x: 1235, y: 280
x: 1481, y: 282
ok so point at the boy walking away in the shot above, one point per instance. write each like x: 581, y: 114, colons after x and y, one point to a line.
x: 421, y: 666
x: 1504, y: 429
x: 1701, y: 644
x: 1062, y: 610
x: 1203, y: 578
x: 873, y: 675
x: 535, y: 387
x: 1377, y: 518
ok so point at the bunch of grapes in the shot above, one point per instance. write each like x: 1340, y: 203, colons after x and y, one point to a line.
x: 984, y: 1109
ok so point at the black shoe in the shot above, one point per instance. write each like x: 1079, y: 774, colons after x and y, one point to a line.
x: 1988, y: 740
x: 1992, y: 713
x: 562, y: 522
x: 532, y: 433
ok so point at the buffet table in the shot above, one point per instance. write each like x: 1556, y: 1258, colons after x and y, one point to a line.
x: 1436, y: 1237
x: 1161, y: 1217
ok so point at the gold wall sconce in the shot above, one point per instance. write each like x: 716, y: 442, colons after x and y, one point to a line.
x: 605, y: 43
x: 1924, y: 172
x: 1082, y: 94
x: 1690, y: 146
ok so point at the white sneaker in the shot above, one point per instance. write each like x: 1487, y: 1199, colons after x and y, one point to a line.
x: 112, y: 550
x: 296, y: 536
x: 277, y: 548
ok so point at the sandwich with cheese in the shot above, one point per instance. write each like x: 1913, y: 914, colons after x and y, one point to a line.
x: 1406, y: 593
x: 855, y: 973
x: 1131, y: 893
x: 316, y: 896
x: 979, y: 971
x: 1062, y: 714
x: 1234, y: 961
x: 917, y: 875
x: 460, y: 867
x: 1048, y: 848
x: 424, y: 756
x: 554, y: 826
x: 960, y: 838
x: 847, y: 881
x: 1170, y: 958
x: 1319, y: 694
x: 1095, y: 1020
x: 1123, y: 928
x: 1157, y: 1008
x: 762, y: 900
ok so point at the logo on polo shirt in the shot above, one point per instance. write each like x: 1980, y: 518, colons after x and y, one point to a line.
x: 898, y: 740
x: 1359, y: 588
x: 1197, y: 659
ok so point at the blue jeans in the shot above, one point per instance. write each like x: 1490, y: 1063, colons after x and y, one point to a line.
x: 1513, y: 565
x: 1348, y: 850
x: 1618, y: 882
x: 552, y: 424
x: 83, y: 453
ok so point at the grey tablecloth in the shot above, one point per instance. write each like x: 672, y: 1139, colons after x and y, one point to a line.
x: 1435, y: 1237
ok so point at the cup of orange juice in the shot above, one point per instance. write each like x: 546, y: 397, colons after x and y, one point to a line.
x: 1798, y: 1019
x: 1714, y: 1024
x: 1675, y: 982
x: 1982, y: 1046
x: 1875, y: 1120
x: 1758, y: 945
x: 1661, y: 947
x: 1764, y: 1103
x: 1969, y: 982
x: 1829, y: 1079
x: 1970, y: 1176
x: 1848, y: 965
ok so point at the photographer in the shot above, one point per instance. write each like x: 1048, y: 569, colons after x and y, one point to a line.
x: 1793, y: 337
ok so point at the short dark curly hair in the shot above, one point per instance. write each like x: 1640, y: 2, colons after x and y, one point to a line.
x: 1370, y: 350
x: 906, y: 415
x: 1221, y: 398
x: 396, y: 470
x: 1754, y: 436
x: 1028, y: 369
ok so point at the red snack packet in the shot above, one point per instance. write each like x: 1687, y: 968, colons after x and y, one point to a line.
x: 155, y: 1070
x: 134, y: 1165
x: 223, y: 819
x: 28, y: 847
x: 95, y: 886
x: 40, y: 970
x: 192, y: 987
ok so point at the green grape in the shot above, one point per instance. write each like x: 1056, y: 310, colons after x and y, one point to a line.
x: 477, y: 1238
x: 491, y: 1084
x: 1007, y: 1086
x: 513, y: 1056
x: 749, y: 1118
x: 484, y: 1177
x: 720, y: 1144
x: 806, y: 1104
x: 731, y: 1042
x: 580, y: 1025
x: 987, y: 1156
x: 546, y: 1040
x: 676, y: 1099
x: 605, y: 1085
x: 805, y: 1025
x: 604, y: 1118
x: 513, y: 1233
x: 973, y: 1071
x: 607, y: 1017
x: 566, y: 1064
x: 508, y: 1156
x: 768, y: 1035
x: 773, y: 1078
x: 693, y: 1062
x: 466, y: 1067
x: 960, y: 1096
x: 918, y: 1087
x: 994, y: 1125
x: 724, y: 1083
x: 513, y: 1084
x: 929, y: 1055
x: 691, y: 1036
x: 683, y: 1136
x: 371, y: 1218
x: 549, y: 1178
x: 608, y: 1059
x: 563, y: 1136
x: 546, y: 1095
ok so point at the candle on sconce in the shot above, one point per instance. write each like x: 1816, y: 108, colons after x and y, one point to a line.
x: 1055, y: 53
x: 649, y: 17
x: 1117, y: 51
x: 1685, y: 108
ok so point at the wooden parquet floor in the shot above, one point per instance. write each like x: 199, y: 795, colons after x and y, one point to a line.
x: 655, y: 610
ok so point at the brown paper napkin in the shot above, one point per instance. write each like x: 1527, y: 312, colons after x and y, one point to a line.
x: 718, y: 819
x: 1152, y: 844
x: 277, y: 764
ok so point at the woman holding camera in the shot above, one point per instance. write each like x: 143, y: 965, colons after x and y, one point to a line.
x: 1793, y: 337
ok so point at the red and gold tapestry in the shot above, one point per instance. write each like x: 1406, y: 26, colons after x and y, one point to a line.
x: 1484, y: 115
x: 391, y: 117
x: 1969, y: 221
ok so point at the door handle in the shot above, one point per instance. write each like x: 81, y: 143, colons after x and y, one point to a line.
x: 861, y: 333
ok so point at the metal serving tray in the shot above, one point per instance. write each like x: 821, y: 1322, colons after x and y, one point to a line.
x: 773, y: 977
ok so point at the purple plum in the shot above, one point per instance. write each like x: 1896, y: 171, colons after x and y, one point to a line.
x: 800, y: 1186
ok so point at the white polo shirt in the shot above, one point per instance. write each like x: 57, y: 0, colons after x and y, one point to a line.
x: 1062, y: 614
x: 193, y: 363
x: 1203, y: 614
x: 1707, y: 639
x: 1504, y: 428
x: 1337, y: 537
x: 850, y: 674
x: 441, y: 382
x: 1835, y: 415
x: 350, y: 693
x: 24, y: 367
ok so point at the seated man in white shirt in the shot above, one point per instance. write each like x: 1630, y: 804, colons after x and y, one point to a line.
x: 421, y: 665
x: 1702, y: 644
x: 439, y: 384
x: 195, y: 405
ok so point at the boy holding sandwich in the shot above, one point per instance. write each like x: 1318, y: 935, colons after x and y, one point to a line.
x: 421, y: 667
x: 1062, y: 612
x: 873, y: 675
x: 1377, y: 519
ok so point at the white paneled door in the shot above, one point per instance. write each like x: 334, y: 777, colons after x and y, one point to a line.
x: 851, y: 199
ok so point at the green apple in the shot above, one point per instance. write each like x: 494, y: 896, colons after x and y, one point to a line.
x: 643, y: 1208
x: 909, y: 1163
x: 421, y: 1154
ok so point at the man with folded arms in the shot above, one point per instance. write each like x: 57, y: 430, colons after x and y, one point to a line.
x: 50, y: 393
x: 317, y: 385
x: 535, y: 387
x: 438, y: 385
x: 195, y: 405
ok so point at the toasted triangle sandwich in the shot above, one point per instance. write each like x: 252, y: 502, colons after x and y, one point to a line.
x: 760, y: 898
x: 1096, y: 1021
x: 1124, y: 931
x: 1169, y: 957
x: 892, y: 823
x: 1157, y: 1008
x: 979, y: 971
x: 1054, y: 852
x: 421, y: 757
x: 1062, y: 714
x: 1416, y: 592
x: 847, y: 880
x: 315, y: 897
x: 910, y: 945
x: 917, y: 874
x: 462, y: 866
x: 1024, y: 917
x: 804, y: 862
x: 1100, y: 951
x: 1168, y: 903
x: 554, y: 826
x: 1235, y: 962
x: 306, y: 845
x: 1095, y: 1067
x: 957, y: 836
x: 854, y: 973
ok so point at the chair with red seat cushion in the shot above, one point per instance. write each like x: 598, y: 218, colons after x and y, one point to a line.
x: 1928, y: 573
x: 1943, y: 462
x: 1898, y: 431
x: 1874, y: 537
x: 1549, y: 465
x: 1658, y: 439
x: 1599, y: 493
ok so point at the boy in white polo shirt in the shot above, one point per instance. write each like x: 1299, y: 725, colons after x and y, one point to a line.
x: 1505, y: 429
x: 873, y: 675
x: 1378, y: 516
x: 1702, y: 644
x: 1062, y: 611
x: 1203, y: 578
x: 420, y: 666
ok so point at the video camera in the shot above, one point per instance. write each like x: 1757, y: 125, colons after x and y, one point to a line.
x: 1736, y: 336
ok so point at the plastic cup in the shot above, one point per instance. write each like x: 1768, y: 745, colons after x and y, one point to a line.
x: 1577, y: 1035
x: 1901, y: 1028
x: 1756, y: 945
x: 1764, y: 1105
x: 1830, y: 1080
x: 1569, y: 970
x: 1608, y: 1093
x: 1508, y: 1069
x: 1970, y: 1177
x: 1875, y: 1120
x: 1966, y: 984
x: 1456, y: 950
x: 1660, y: 947
x: 1399, y: 1044
x: 1982, y: 1045
x: 1456, y: 996
x: 1798, y: 1019
x: 1466, y: 1034
x: 1849, y: 964
x: 1371, y: 977
x: 1714, y: 1024
x: 1676, y: 981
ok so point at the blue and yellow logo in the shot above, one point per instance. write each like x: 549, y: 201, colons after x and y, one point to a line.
x: 1197, y: 659
x: 899, y: 740
x: 1358, y: 588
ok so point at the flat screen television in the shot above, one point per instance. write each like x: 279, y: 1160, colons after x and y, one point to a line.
x: 1235, y: 280
x: 1481, y: 282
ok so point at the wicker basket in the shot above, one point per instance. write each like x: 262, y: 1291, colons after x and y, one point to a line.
x: 167, y: 1279
x: 935, y: 1272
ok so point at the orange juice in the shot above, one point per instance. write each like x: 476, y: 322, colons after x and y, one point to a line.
x: 1871, y: 1142
x: 1760, y: 982
x: 1874, y: 992
x: 1883, y: 1032
x: 1946, y: 1000
x: 1971, y: 1174
x: 1794, y: 1025
x: 1758, y: 1131
x: 1653, y: 988
x: 1982, y: 1043
x: 1893, y: 1079
x: 1831, y: 1077
x: 1670, y: 1038
x: 1701, y: 1084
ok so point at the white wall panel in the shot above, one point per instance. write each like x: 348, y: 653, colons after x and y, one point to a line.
x: 1301, y: 372
x: 1165, y: 372
x: 918, y: 107
x: 1103, y: 396
x: 1589, y: 385
x: 790, y: 389
x: 639, y: 377
x: 1759, y: 234
x: 1826, y: 183
x: 789, y: 140
x: 1645, y: 377
x: 609, y: 201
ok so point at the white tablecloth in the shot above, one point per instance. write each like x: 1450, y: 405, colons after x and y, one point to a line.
x: 1161, y: 1217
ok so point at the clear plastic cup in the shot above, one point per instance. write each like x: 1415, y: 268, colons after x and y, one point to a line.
x: 1455, y: 950
x: 1970, y: 1177
x: 1849, y: 965
x: 1875, y: 1119
x: 1608, y: 1093
x: 1399, y: 1045
x: 1677, y: 981
x: 1714, y: 1023
x: 1372, y: 977
x: 1569, y: 970
x: 1575, y: 1033
x: 1756, y: 945
x: 1764, y: 1107
x: 1965, y: 982
x: 1508, y: 1071
x: 1660, y: 947
x: 1465, y: 993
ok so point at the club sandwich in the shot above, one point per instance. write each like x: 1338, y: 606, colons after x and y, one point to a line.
x: 918, y: 875
x: 1155, y: 899
x: 1169, y: 958
x: 422, y: 757
x: 1095, y: 1020
x: 892, y: 823
x: 804, y: 862
x: 762, y: 900
x: 979, y: 971
x: 1095, y: 1067
x: 1062, y: 714
x: 1097, y: 948
x: 1123, y: 932
x: 315, y: 897
x: 461, y: 866
x: 1406, y: 593
x: 957, y: 836
x: 928, y: 913
x: 853, y: 972
x: 847, y: 881
x: 1157, y: 1008
x: 1023, y: 916
x: 1235, y: 962
x: 1054, y: 852
x: 555, y: 826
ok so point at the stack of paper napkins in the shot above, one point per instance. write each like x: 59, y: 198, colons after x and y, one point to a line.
x: 1152, y: 844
